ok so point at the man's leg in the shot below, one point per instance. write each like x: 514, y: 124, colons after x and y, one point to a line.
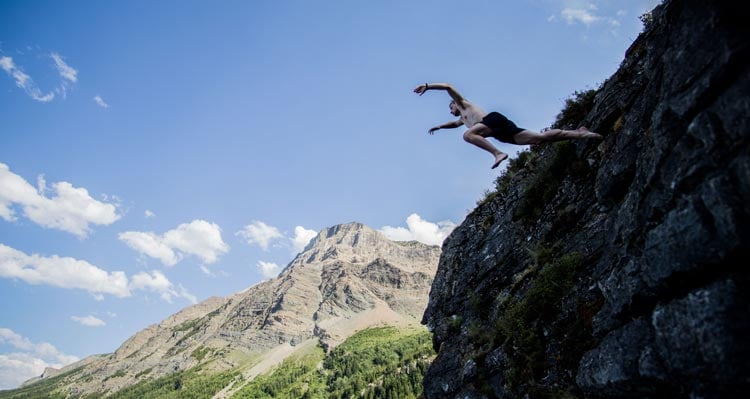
x: 530, y: 137
x: 476, y: 135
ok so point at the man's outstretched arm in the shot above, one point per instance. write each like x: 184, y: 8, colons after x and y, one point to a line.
x: 441, y: 86
x: 447, y: 125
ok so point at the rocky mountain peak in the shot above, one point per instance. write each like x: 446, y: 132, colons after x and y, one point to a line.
x: 357, y: 243
x: 344, y: 229
x: 348, y: 234
x: 351, y: 235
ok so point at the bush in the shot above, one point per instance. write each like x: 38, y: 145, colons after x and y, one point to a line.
x: 542, y: 187
x: 575, y: 110
x: 518, y: 323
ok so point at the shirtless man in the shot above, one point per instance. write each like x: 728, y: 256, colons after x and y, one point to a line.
x: 494, y: 124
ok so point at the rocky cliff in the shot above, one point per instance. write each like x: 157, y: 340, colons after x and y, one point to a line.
x: 615, y: 269
x: 348, y: 278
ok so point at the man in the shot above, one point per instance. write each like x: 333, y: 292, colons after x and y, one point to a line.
x: 482, y: 125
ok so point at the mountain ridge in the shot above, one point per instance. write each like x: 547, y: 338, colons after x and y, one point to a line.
x: 348, y: 277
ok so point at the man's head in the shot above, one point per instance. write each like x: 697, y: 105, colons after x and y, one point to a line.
x: 454, y: 108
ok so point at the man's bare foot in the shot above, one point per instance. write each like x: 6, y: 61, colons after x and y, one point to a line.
x: 498, y: 159
x: 586, y: 134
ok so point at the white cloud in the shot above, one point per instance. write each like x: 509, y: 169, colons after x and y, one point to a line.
x: 269, y: 269
x: 151, y: 245
x: 586, y: 13
x: 149, y: 214
x: 158, y: 283
x: 100, y: 102
x: 66, y: 72
x: 199, y: 238
x: 10, y: 68
x: 264, y: 235
x: 573, y: 15
x: 88, y: 321
x: 8, y: 337
x: 68, y: 75
x: 41, y: 185
x: 260, y: 233
x: 302, y: 237
x: 71, y: 273
x: 15, y: 368
x: 71, y: 209
x: 183, y: 292
x: 63, y: 272
x: 420, y: 230
x: 397, y: 233
x: 18, y: 367
x: 24, y: 81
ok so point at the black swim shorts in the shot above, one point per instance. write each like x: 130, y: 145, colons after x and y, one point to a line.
x: 502, y: 128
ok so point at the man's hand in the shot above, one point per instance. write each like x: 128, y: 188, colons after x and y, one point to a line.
x: 421, y: 89
x: 433, y: 130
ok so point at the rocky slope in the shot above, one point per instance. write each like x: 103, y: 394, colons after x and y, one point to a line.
x: 349, y: 277
x: 616, y: 269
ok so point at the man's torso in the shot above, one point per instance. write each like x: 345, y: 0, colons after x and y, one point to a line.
x: 471, y: 114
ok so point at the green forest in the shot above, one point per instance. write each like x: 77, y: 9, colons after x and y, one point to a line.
x: 378, y: 362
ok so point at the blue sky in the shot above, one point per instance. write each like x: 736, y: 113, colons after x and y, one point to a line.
x: 154, y: 154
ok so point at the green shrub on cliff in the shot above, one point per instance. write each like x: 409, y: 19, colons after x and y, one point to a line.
x: 546, y: 179
x: 519, y: 324
x: 577, y: 106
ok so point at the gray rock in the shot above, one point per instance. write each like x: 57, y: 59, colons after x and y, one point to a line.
x: 694, y: 335
x: 470, y: 370
x: 613, y: 367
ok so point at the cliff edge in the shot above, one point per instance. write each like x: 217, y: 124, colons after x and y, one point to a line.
x: 615, y: 269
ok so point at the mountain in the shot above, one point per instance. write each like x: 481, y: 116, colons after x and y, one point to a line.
x: 615, y: 269
x: 349, y: 277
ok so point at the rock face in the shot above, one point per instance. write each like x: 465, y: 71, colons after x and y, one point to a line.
x: 616, y: 269
x: 349, y: 277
